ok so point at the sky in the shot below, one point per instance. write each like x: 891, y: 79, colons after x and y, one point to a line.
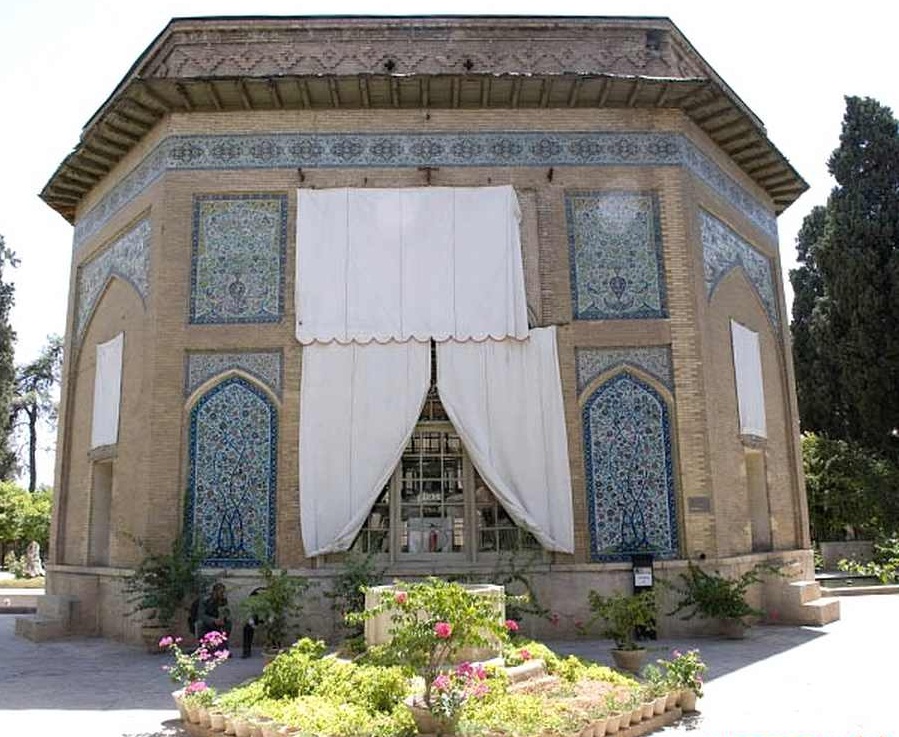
x: 790, y: 62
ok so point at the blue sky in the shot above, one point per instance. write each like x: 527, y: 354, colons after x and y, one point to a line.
x: 791, y: 62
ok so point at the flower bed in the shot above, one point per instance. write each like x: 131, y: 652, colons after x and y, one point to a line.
x: 415, y: 684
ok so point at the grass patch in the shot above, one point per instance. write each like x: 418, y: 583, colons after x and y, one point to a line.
x: 22, y: 583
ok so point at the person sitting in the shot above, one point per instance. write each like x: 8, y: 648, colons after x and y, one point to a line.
x: 213, y: 614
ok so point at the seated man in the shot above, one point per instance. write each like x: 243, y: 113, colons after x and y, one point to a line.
x: 213, y: 613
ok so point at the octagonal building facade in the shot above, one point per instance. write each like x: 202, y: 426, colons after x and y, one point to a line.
x: 638, y: 198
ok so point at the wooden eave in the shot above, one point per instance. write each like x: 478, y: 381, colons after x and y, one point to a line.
x: 136, y: 107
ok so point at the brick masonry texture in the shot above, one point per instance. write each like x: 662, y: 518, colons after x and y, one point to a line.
x: 170, y: 362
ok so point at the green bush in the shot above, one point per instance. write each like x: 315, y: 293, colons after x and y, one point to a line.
x: 850, y: 488
x: 296, y: 672
x: 373, y: 688
x: 622, y: 614
x: 885, y: 565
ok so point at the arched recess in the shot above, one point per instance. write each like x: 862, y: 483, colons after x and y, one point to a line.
x: 629, y: 469
x: 232, y: 477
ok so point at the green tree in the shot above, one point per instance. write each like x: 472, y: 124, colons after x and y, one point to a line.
x: 34, y: 399
x: 24, y: 516
x: 7, y: 350
x: 846, y: 317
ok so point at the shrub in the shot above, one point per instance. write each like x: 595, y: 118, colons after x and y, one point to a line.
x: 622, y: 615
x: 297, y: 671
x: 885, y: 565
x: 713, y: 596
x: 373, y: 688
x: 275, y: 604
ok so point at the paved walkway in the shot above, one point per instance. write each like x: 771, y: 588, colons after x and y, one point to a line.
x: 833, y: 681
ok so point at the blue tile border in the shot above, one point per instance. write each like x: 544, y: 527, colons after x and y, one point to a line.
x: 265, y: 365
x: 655, y: 360
x: 413, y: 149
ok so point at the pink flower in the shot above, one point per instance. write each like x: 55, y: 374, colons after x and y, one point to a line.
x: 443, y: 630
x: 195, y: 687
x: 511, y: 625
x: 464, y: 669
x: 442, y: 683
x: 481, y: 690
x: 676, y: 653
x: 400, y: 597
x: 203, y: 654
x: 479, y: 672
x: 167, y: 641
x: 222, y: 655
x: 213, y: 638
x: 525, y: 654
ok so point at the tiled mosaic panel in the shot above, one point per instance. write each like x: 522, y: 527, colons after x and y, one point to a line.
x: 630, y: 486
x: 263, y: 365
x: 354, y: 150
x: 239, y: 247
x: 128, y: 257
x: 233, y: 463
x: 723, y: 250
x: 615, y: 253
x: 654, y: 360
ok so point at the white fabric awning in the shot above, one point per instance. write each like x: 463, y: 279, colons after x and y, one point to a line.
x: 358, y: 408
x: 505, y: 400
x: 107, y: 392
x: 750, y: 388
x: 409, y: 264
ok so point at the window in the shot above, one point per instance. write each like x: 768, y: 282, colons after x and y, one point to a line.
x: 435, y: 503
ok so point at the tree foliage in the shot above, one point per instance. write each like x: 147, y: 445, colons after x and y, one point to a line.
x: 34, y: 399
x: 846, y: 309
x: 7, y: 351
x: 24, y: 516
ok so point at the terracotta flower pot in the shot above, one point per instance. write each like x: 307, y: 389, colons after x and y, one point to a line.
x: 242, y: 726
x: 658, y: 706
x: 613, y: 723
x: 687, y: 700
x: 629, y: 660
x: 671, y: 700
x: 216, y: 721
x: 637, y: 714
x: 229, y: 724
x: 732, y: 629
x: 648, y: 709
x: 178, y: 696
x: 599, y: 726
x: 425, y: 721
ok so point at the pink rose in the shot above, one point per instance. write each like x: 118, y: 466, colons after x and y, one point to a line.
x: 443, y: 630
x: 441, y: 683
x: 511, y: 625
x: 167, y: 641
x: 525, y: 654
x: 401, y: 597
x: 464, y: 669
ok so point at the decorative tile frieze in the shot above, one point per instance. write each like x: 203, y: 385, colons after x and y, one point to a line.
x: 615, y: 255
x: 654, y: 360
x: 723, y: 250
x: 359, y: 150
x: 629, y: 473
x: 127, y: 257
x: 232, y: 480
x: 237, y: 266
x: 266, y: 366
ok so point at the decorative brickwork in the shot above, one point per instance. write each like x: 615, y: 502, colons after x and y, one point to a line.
x: 233, y: 466
x: 629, y: 476
x: 723, y: 250
x: 266, y: 366
x: 386, y: 150
x: 128, y: 257
x: 615, y: 255
x: 239, y: 248
x: 654, y: 360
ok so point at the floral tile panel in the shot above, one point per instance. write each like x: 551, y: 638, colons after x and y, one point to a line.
x: 232, y: 483
x: 239, y: 249
x: 629, y: 474
x: 615, y: 252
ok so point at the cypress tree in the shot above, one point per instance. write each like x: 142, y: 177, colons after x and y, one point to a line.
x: 7, y: 355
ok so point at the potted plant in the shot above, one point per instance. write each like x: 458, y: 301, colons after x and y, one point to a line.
x: 159, y: 586
x: 683, y: 673
x: 622, y: 615
x: 713, y: 596
x: 274, y: 605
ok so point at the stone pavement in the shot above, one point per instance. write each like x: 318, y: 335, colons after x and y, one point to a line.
x: 832, y: 681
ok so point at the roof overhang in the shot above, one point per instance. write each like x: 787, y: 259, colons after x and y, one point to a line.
x: 246, y: 64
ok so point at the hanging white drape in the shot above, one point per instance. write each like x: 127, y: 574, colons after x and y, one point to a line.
x: 750, y: 389
x: 107, y: 392
x: 358, y: 407
x: 505, y: 400
x: 401, y: 264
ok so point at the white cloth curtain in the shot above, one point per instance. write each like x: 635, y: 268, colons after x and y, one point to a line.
x: 358, y: 408
x: 505, y: 400
x: 107, y: 392
x: 401, y: 264
x: 750, y: 389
